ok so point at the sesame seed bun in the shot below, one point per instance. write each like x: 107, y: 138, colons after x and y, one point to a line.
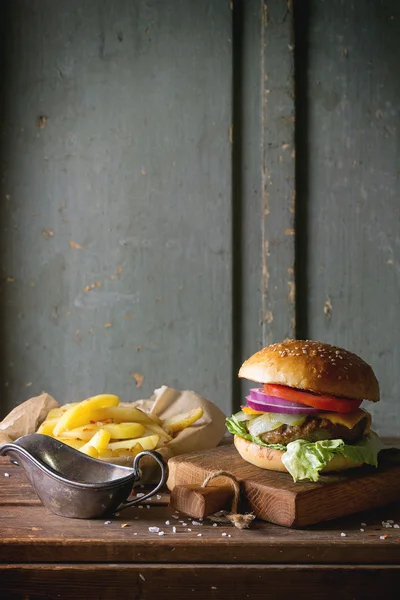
x: 271, y: 459
x: 313, y: 366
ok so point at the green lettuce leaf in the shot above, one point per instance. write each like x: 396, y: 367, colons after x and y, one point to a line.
x: 305, y: 460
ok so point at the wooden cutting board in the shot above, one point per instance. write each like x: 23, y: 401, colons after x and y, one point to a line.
x: 276, y: 498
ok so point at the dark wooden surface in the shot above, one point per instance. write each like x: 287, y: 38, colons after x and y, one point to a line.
x: 275, y: 497
x: 46, y: 556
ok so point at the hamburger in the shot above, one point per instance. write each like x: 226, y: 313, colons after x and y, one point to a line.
x: 306, y: 417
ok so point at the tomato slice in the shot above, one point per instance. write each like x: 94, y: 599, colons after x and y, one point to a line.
x: 323, y: 402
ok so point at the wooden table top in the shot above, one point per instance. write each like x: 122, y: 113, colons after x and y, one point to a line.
x: 31, y: 535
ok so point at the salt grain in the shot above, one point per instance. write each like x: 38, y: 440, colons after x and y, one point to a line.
x: 184, y: 524
x: 161, y: 533
x: 107, y: 522
x: 382, y: 537
x: 199, y: 534
x: 6, y: 474
x: 195, y: 523
x: 139, y: 494
x: 363, y: 524
x: 140, y: 506
x: 223, y: 534
x: 158, y: 497
x: 343, y: 534
x: 396, y: 526
x: 154, y: 529
x: 362, y: 530
x: 189, y: 529
x: 147, y: 505
x: 167, y: 523
x: 175, y: 517
x: 174, y: 529
x: 215, y: 525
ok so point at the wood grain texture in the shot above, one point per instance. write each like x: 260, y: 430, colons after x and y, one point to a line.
x: 31, y: 534
x: 115, y: 198
x: 278, y: 169
x: 274, y: 496
x: 145, y: 582
x: 353, y: 212
x: 198, y: 501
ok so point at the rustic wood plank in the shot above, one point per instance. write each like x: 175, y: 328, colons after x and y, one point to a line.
x: 116, y: 208
x: 278, y: 171
x: 275, y: 497
x: 351, y: 162
x: 109, y: 582
x: 30, y: 533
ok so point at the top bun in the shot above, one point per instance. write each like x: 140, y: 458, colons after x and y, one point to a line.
x: 313, y: 366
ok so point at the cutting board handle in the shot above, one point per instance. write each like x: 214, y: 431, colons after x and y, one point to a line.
x: 198, y: 501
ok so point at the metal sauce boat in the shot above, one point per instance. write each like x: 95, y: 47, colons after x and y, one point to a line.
x: 74, y: 485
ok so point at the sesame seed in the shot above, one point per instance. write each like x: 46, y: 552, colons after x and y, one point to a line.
x: 6, y: 474
x: 167, y: 523
x: 224, y: 534
x: 107, y: 522
x: 158, y: 497
x: 215, y: 525
x: 184, y: 524
x: 142, y: 577
x: 362, y: 530
x: 174, y: 529
x: 199, y: 534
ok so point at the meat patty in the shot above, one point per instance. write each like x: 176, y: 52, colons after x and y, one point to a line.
x: 314, y: 429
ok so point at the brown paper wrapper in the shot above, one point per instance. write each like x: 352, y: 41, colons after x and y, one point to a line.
x: 166, y: 402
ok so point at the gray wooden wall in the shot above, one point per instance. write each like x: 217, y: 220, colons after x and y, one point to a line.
x: 184, y: 181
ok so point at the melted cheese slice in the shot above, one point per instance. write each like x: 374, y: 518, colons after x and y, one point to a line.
x: 349, y: 420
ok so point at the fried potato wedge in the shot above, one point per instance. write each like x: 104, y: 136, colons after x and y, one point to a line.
x: 80, y: 414
x: 149, y: 442
x: 183, y: 420
x: 124, y: 431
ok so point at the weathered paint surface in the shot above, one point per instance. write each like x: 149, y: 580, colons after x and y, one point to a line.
x: 264, y: 168
x: 277, y: 171
x: 115, y: 251
x: 353, y: 210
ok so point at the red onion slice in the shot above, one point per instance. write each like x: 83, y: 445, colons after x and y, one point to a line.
x: 281, y: 406
x: 259, y: 395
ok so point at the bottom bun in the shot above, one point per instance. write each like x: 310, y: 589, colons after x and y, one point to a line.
x: 271, y: 459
